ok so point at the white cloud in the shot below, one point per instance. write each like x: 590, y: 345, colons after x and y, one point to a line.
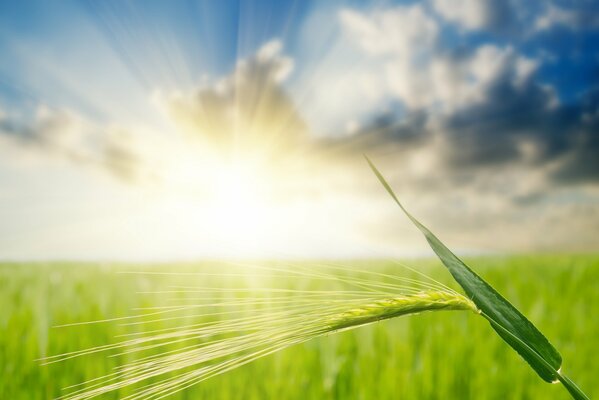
x: 65, y: 135
x: 421, y: 75
x: 342, y: 95
x: 491, y: 63
x: 57, y: 131
x: 348, y: 82
x: 269, y: 57
x: 399, y: 31
x: 573, y: 19
x: 388, y: 56
x: 475, y: 14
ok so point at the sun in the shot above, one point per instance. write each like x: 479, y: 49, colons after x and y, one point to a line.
x: 239, y: 200
x: 237, y: 207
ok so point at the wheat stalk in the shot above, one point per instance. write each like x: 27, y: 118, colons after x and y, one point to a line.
x: 398, y: 306
x: 260, y: 323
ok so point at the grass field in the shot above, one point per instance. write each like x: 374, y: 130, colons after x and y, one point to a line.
x: 440, y: 355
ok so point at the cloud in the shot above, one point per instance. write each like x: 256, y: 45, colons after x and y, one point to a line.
x: 471, y: 15
x: 55, y: 130
x: 470, y: 136
x: 516, y: 18
x: 580, y: 161
x: 515, y: 124
x: 402, y: 39
x: 121, y: 157
x: 422, y: 76
x: 468, y: 117
x: 399, y: 31
x: 421, y: 73
x: 582, y: 18
x: 476, y: 122
x: 523, y: 125
x: 345, y: 81
x: 246, y: 115
x: 248, y: 111
x: 61, y: 134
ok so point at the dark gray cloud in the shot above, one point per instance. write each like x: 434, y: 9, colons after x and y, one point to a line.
x: 385, y: 133
x: 493, y: 131
x: 580, y: 162
x: 517, y: 125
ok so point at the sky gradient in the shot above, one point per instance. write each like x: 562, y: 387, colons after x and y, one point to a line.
x: 186, y: 129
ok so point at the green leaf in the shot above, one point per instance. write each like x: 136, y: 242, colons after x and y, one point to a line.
x: 513, y: 327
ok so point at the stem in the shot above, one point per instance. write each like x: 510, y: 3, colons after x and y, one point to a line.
x: 572, y: 388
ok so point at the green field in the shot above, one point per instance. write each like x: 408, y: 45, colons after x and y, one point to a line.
x: 443, y: 355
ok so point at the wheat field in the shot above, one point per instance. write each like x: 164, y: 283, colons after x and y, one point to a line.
x: 426, y: 356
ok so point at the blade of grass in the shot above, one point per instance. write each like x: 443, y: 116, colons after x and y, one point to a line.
x: 513, y: 327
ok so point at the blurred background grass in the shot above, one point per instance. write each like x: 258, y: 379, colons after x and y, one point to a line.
x: 429, y: 356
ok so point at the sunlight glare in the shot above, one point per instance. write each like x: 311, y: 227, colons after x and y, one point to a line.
x: 240, y: 207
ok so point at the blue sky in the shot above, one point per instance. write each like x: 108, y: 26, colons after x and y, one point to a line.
x: 125, y: 116
x: 210, y: 37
